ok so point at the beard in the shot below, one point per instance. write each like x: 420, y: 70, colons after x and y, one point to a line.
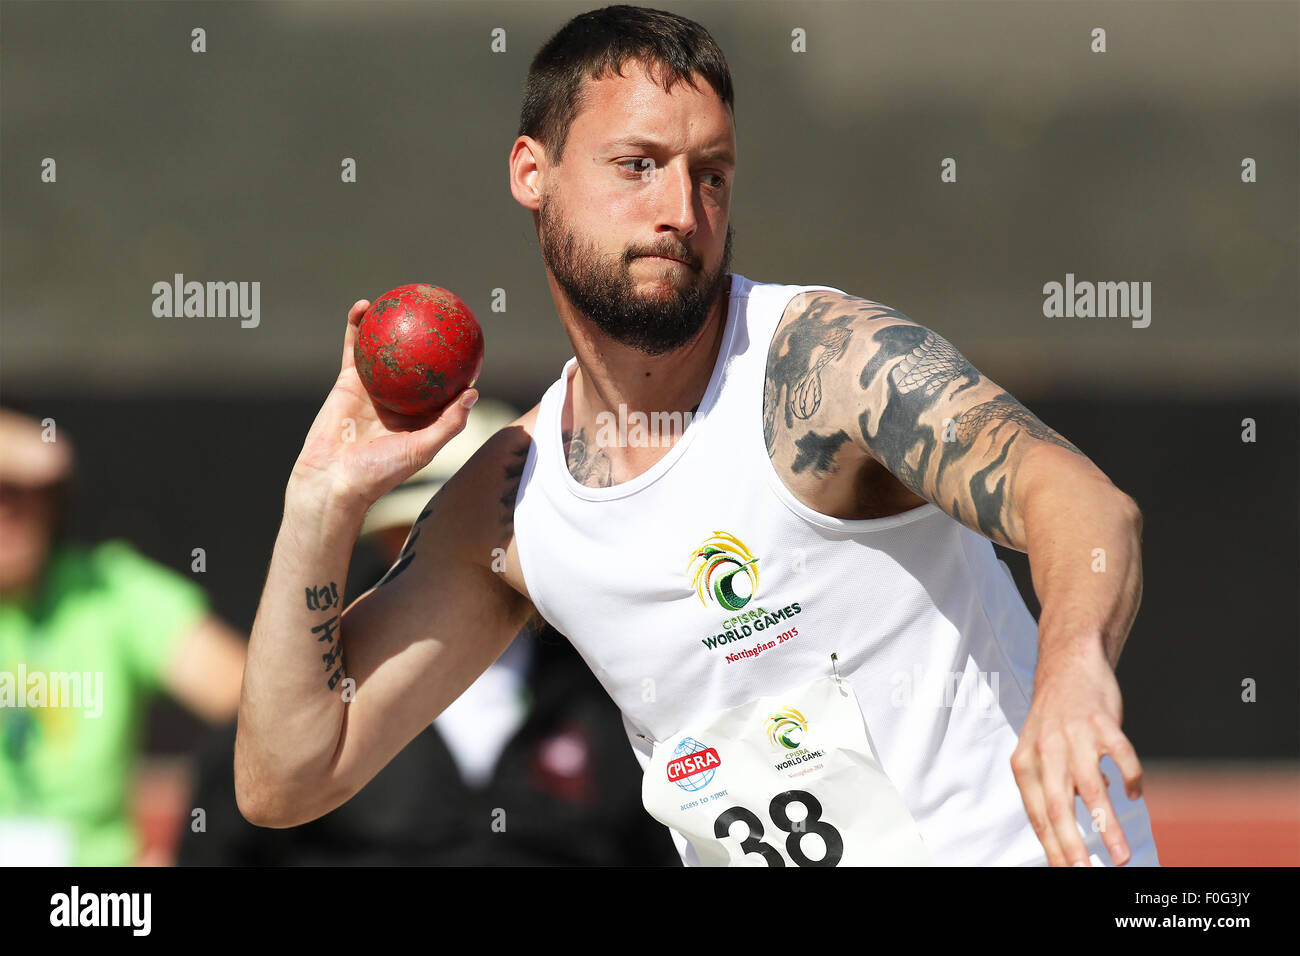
x: 602, y: 287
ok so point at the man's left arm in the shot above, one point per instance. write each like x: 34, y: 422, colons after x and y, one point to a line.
x: 853, y: 371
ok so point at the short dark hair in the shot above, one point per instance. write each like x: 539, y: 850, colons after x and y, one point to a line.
x: 592, y: 45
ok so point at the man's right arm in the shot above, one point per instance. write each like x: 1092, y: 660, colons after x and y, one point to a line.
x: 315, y: 724
x: 329, y: 697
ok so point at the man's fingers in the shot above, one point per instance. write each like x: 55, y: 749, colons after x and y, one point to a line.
x: 356, y: 312
x: 1089, y: 781
x: 350, y: 336
x: 411, y: 444
x: 1058, y: 799
x: 1126, y: 758
x: 427, y: 441
x: 1025, y: 769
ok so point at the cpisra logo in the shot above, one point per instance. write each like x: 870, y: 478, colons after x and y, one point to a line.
x: 693, y: 764
x: 724, y: 571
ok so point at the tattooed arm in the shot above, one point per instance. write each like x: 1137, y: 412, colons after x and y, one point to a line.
x: 845, y: 370
x: 342, y: 685
x: 850, y: 380
x: 848, y: 375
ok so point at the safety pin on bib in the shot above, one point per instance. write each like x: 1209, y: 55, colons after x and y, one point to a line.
x: 835, y: 674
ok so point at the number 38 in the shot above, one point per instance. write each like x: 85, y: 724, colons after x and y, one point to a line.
x: 813, y: 823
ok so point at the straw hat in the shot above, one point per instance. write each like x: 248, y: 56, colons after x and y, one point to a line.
x: 401, y: 506
x: 26, y: 458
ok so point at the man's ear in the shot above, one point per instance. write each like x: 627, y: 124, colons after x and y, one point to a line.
x: 527, y: 168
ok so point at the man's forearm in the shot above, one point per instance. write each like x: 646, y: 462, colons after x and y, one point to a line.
x: 291, y: 710
x: 1084, y: 545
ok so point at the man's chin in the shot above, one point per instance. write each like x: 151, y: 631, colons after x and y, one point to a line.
x: 658, y: 291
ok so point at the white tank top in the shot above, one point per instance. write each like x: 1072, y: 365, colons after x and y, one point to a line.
x: 927, y: 624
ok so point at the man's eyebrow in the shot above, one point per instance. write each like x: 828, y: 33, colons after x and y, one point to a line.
x: 717, y: 154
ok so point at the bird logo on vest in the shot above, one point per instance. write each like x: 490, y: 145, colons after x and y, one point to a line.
x: 720, y: 564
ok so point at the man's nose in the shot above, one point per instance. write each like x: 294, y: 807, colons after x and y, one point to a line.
x: 676, y: 198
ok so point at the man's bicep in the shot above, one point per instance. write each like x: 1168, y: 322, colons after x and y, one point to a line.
x: 849, y: 371
x: 945, y: 430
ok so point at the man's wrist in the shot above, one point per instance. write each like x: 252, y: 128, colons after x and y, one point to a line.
x: 322, y: 516
x: 1060, y: 651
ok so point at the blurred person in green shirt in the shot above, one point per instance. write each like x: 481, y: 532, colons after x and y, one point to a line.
x: 87, y: 635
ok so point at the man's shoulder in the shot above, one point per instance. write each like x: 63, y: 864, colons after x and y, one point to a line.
x: 814, y: 402
x: 817, y: 329
x: 476, y: 506
x: 507, y: 447
x: 497, y: 461
x: 826, y: 306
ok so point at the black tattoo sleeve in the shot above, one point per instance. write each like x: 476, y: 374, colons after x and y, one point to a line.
x: 803, y: 349
x: 818, y: 451
x: 905, y: 396
x: 959, y: 452
x: 921, y: 366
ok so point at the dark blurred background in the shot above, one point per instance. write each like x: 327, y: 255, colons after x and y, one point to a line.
x: 1115, y: 166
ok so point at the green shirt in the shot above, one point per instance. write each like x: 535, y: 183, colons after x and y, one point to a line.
x: 90, y: 648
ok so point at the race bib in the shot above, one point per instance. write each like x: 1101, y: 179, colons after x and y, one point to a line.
x: 787, y: 780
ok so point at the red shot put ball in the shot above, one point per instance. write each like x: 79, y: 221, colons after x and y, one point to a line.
x: 417, y: 348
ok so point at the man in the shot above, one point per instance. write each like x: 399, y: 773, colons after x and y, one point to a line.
x: 87, y: 635
x: 750, y: 588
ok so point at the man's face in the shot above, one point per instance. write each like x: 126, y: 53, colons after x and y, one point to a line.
x: 645, y: 175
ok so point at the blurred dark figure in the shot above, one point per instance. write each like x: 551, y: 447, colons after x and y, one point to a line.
x: 87, y: 635
x: 530, y: 766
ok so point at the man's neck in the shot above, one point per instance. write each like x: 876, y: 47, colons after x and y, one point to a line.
x: 610, y: 374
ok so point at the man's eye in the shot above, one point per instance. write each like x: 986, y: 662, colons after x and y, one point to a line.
x: 642, y: 165
x: 720, y: 180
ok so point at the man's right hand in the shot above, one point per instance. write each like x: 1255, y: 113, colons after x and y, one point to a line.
x: 356, y: 450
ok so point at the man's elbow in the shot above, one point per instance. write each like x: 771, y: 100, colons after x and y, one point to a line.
x: 265, y: 808
x: 253, y: 808
x: 1132, y: 514
x: 274, y: 804
x: 1115, y: 504
x: 257, y: 803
